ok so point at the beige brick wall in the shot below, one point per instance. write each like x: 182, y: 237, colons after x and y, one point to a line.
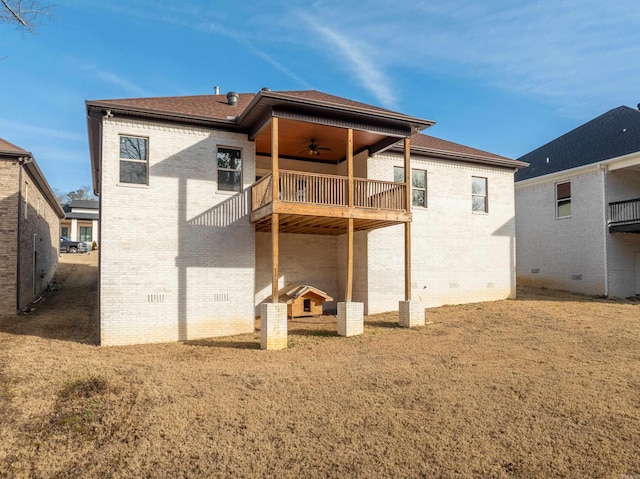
x: 38, y: 230
x: 8, y: 234
x: 177, y: 256
x: 39, y: 240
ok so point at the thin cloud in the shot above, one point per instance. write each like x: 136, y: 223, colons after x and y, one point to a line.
x: 565, y: 51
x: 110, y: 78
x: 358, y: 59
x: 191, y: 17
x: 245, y: 42
x: 12, y: 128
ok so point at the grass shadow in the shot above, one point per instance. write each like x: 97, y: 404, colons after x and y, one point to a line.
x: 532, y: 293
x: 223, y: 343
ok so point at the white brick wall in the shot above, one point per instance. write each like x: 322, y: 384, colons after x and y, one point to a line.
x: 567, y: 253
x: 457, y: 256
x: 177, y: 257
x: 305, y: 259
x: 180, y: 260
x: 623, y: 248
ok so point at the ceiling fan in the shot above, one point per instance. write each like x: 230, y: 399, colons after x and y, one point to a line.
x: 314, y: 149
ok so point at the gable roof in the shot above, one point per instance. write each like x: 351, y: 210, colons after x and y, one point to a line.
x: 28, y: 162
x: 7, y: 148
x: 292, y: 292
x: 215, y: 108
x: 611, y: 135
x: 427, y: 145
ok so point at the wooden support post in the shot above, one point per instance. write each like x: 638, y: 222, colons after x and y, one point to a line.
x: 350, y: 165
x: 275, y: 218
x: 275, y: 251
x: 407, y: 226
x: 275, y: 170
x: 349, y: 292
x: 349, y: 286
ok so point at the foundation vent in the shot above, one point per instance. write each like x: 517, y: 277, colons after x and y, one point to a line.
x: 453, y: 285
x: 491, y: 285
x: 535, y: 270
x: 155, y: 298
x: 221, y: 297
x: 576, y: 277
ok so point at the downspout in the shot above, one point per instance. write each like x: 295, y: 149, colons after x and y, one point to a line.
x: 603, y: 171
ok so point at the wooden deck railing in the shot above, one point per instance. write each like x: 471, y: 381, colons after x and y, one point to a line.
x: 330, y: 190
x: 384, y: 195
x: 317, y: 189
x: 624, y: 212
x: 261, y: 194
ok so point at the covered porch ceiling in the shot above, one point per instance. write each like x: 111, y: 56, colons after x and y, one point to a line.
x: 296, y: 136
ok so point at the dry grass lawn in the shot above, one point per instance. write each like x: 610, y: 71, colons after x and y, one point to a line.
x: 544, y: 386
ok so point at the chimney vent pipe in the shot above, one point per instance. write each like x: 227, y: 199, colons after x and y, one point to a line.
x: 232, y: 98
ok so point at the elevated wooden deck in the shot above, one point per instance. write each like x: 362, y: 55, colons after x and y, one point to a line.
x: 319, y: 204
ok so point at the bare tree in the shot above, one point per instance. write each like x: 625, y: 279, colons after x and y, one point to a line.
x: 82, y: 193
x: 26, y: 14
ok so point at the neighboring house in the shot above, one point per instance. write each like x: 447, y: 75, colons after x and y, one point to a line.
x: 211, y: 204
x: 29, y: 229
x: 578, y: 207
x: 80, y: 221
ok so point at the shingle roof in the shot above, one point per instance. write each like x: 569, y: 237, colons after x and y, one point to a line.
x: 611, y: 135
x: 10, y: 148
x: 92, y: 204
x: 430, y: 146
x: 81, y: 216
x: 420, y: 140
x: 216, y: 107
x: 209, y: 106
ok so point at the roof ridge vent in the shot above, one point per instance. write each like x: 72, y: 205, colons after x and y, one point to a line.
x: 232, y: 98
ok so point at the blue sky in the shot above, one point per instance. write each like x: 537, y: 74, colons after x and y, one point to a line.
x: 504, y: 76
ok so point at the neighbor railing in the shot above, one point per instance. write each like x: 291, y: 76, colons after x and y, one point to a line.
x: 330, y: 190
x: 624, y: 212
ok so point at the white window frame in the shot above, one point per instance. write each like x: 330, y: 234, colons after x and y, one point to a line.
x: 484, y: 195
x: 567, y: 200
x: 133, y: 160
x: 230, y: 170
x: 425, y: 189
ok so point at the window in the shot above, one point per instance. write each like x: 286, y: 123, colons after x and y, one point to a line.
x: 86, y: 233
x: 418, y: 185
x: 479, y: 199
x: 134, y: 160
x: 563, y: 200
x: 65, y: 231
x: 229, y: 169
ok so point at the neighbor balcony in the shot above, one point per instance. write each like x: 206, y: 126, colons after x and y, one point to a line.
x: 624, y: 216
x: 320, y: 204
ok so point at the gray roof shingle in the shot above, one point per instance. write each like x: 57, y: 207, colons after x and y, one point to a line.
x: 611, y: 135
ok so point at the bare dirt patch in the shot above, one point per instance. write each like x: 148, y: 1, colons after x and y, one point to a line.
x: 544, y: 386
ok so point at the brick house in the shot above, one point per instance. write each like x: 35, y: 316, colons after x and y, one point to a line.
x: 211, y: 204
x: 80, y: 221
x: 29, y: 229
x: 578, y: 209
